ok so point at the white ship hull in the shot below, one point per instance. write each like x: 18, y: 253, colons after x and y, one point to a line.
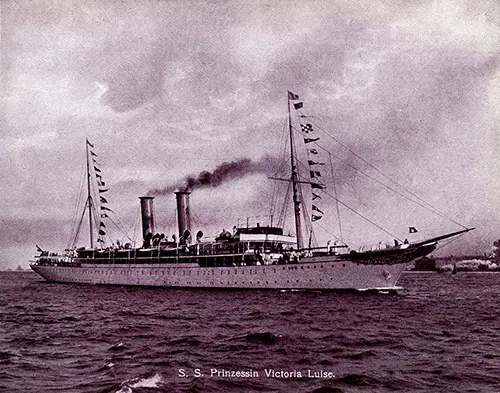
x: 339, y: 275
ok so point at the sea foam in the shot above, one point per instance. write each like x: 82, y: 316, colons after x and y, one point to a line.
x: 151, y: 382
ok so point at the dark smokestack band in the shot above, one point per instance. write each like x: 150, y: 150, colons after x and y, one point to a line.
x: 183, y: 214
x: 148, y: 224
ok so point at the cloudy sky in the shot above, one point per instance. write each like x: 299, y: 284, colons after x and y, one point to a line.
x: 166, y: 89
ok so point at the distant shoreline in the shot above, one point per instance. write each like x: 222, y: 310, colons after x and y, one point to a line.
x: 449, y: 272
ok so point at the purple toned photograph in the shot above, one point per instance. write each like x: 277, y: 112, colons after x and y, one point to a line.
x: 250, y: 196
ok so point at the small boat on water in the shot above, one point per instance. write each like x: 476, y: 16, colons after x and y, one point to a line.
x: 252, y: 256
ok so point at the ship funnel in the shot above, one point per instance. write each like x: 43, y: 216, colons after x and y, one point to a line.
x: 183, y: 214
x: 148, y: 224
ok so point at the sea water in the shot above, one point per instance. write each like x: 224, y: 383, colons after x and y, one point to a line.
x: 441, y: 333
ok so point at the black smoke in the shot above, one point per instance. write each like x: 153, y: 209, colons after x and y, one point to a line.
x: 224, y: 173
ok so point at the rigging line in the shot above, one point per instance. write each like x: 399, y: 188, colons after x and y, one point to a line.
x: 78, y: 199
x: 80, y: 189
x: 450, y: 241
x: 284, y: 209
x: 136, y: 224
x: 278, y: 193
x: 285, y: 205
x: 132, y: 227
x: 336, y: 198
x: 97, y: 218
x: 310, y: 233
x: 429, y: 205
x: 305, y: 213
x: 431, y: 209
x: 281, y: 215
x: 363, y: 217
x: 89, y: 198
x: 330, y: 233
x: 283, y: 144
x: 197, y: 219
x: 281, y: 158
x: 307, y: 219
x: 119, y: 228
x: 75, y: 239
x: 75, y: 229
x: 96, y: 221
x: 285, y: 162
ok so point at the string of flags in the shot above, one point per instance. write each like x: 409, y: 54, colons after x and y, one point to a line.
x: 294, y: 97
x: 313, y: 160
x: 309, y: 140
x: 307, y: 128
x: 103, y: 209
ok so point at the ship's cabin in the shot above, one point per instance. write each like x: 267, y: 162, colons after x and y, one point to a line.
x: 265, y: 244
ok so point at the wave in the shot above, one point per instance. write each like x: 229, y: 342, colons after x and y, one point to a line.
x: 266, y: 338
x: 378, y: 344
x: 153, y: 381
x: 4, y: 355
x: 359, y: 380
x: 327, y: 389
x: 359, y: 355
x: 191, y: 341
x: 117, y: 347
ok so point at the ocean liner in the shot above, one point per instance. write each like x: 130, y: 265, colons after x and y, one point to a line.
x: 257, y: 256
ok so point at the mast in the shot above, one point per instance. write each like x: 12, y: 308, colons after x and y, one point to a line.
x: 295, y: 182
x: 89, y: 198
